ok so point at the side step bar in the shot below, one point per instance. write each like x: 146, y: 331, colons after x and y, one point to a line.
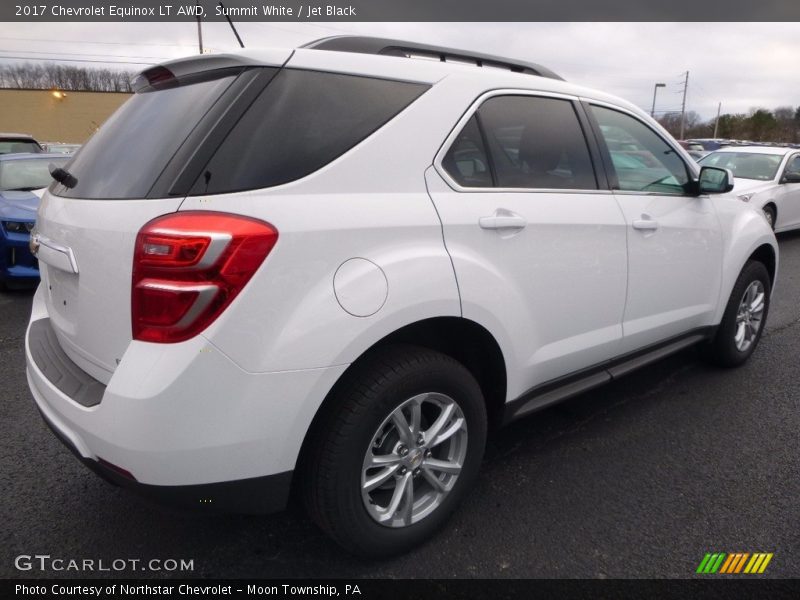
x: 571, y: 385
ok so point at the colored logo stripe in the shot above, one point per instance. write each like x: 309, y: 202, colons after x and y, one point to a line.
x: 720, y: 562
x: 711, y: 562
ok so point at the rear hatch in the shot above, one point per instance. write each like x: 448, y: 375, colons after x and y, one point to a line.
x: 138, y: 166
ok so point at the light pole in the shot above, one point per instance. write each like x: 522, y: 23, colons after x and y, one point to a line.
x: 655, y: 91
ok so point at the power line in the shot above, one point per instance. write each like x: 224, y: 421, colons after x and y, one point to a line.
x: 60, y: 41
x: 88, y: 54
x: 121, y: 62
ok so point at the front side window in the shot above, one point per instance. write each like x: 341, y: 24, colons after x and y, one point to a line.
x: 794, y: 165
x: 642, y: 160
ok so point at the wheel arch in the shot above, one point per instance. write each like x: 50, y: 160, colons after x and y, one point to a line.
x: 746, y: 236
x: 464, y: 340
x: 766, y: 254
x: 774, y: 208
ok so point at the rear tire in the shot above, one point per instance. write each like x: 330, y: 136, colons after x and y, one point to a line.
x: 744, y: 318
x: 380, y: 478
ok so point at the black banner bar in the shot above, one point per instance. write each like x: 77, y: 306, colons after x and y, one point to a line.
x: 400, y: 10
x: 411, y: 589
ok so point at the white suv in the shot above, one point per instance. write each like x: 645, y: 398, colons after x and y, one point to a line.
x: 332, y: 269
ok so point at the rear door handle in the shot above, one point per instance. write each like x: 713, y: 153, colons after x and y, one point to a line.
x: 503, y: 219
x: 645, y: 223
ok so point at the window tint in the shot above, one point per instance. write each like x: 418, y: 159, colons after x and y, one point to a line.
x: 466, y: 161
x: 301, y: 122
x: 642, y: 160
x: 126, y: 156
x: 536, y: 143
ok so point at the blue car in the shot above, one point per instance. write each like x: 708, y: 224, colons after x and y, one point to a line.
x: 22, y: 177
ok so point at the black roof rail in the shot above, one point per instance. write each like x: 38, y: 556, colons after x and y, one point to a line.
x: 387, y: 47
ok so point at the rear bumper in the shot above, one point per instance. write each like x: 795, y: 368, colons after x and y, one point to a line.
x: 189, y: 426
x: 257, y: 495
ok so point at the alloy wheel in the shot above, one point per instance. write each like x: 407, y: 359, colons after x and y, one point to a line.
x: 414, y: 460
x: 750, y: 316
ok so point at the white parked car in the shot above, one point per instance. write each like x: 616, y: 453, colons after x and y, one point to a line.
x: 767, y: 177
x: 336, y: 267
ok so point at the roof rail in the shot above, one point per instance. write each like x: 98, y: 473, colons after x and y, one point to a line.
x: 387, y: 47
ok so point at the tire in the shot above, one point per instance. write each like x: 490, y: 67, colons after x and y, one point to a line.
x: 740, y: 331
x: 769, y: 215
x: 358, y: 424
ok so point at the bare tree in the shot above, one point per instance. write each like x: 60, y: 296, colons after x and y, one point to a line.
x: 45, y: 76
x: 786, y: 126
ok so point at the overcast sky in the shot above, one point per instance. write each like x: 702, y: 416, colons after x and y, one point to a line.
x: 742, y: 65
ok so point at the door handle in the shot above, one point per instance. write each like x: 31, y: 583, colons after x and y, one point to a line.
x: 645, y: 223
x: 503, y: 219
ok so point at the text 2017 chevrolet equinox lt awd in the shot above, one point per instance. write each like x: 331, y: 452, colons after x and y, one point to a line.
x: 330, y: 270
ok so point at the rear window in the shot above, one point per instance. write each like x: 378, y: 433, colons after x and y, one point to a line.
x: 126, y: 156
x: 302, y: 121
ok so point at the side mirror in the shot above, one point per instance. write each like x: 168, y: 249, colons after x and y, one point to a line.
x: 714, y: 180
x: 790, y: 178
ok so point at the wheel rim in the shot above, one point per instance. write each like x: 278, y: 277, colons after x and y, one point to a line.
x: 750, y: 316
x: 414, y: 460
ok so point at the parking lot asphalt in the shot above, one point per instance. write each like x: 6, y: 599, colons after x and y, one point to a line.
x: 637, y: 479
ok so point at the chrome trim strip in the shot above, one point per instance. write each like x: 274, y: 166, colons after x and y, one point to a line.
x: 41, y: 240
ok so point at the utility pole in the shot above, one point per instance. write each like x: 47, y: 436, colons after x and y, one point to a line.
x: 716, y: 122
x: 199, y: 35
x: 683, y: 105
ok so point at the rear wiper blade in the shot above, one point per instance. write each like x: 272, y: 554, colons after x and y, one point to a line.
x: 22, y: 189
x: 62, y: 176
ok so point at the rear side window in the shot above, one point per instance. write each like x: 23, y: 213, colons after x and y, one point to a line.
x: 302, y: 121
x: 126, y: 156
x: 537, y: 142
x: 466, y: 161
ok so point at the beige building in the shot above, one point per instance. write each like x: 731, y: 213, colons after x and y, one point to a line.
x: 50, y: 116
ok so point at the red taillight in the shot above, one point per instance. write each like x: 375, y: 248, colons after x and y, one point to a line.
x: 188, y: 267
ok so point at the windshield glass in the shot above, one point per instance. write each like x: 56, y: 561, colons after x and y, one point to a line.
x: 745, y: 165
x: 12, y: 146
x: 28, y: 173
